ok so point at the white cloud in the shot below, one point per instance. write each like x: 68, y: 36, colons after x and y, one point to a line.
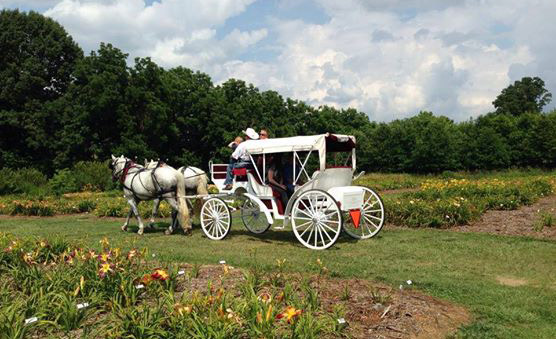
x: 389, y: 58
x: 172, y: 32
x: 452, y: 58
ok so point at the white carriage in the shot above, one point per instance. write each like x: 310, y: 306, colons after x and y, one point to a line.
x: 323, y: 202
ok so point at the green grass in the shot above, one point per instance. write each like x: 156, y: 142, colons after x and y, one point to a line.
x: 459, y: 267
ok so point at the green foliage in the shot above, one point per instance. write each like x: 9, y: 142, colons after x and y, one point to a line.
x: 92, y: 176
x: 60, y: 110
x: 525, y: 95
x: 24, y: 180
x: 63, y: 182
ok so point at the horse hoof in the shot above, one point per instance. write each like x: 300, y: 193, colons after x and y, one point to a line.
x: 140, y: 232
x: 124, y: 228
x: 167, y: 232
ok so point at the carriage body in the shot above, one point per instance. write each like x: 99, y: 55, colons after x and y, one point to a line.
x: 324, y: 201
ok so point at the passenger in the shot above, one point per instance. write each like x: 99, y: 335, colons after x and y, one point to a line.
x: 263, y: 134
x: 288, y: 174
x: 275, y: 178
x: 233, y: 145
x: 240, y: 158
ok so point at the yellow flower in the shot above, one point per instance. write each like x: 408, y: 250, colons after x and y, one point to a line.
x: 104, y: 242
x: 182, y: 310
x: 269, y: 313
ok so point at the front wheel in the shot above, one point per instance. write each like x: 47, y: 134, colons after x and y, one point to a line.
x: 216, y: 219
x: 253, y: 218
x: 316, y: 219
x: 371, y: 218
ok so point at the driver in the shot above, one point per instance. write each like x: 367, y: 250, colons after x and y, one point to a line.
x: 240, y: 158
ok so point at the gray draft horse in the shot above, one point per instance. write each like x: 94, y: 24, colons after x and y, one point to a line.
x: 141, y: 184
x: 195, y: 179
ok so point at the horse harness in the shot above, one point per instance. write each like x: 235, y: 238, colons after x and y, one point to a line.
x: 128, y: 166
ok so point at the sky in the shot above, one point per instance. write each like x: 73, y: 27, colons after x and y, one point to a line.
x: 388, y: 58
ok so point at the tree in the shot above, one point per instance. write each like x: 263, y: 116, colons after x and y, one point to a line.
x: 37, y: 59
x: 527, y: 95
x: 93, y: 113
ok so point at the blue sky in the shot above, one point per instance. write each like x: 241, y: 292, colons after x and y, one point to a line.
x: 388, y: 58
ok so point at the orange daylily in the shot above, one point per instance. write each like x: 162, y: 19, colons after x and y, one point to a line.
x: 160, y: 274
x: 290, y: 314
x: 131, y: 254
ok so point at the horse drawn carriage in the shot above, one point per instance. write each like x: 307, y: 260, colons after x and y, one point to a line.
x: 322, y: 205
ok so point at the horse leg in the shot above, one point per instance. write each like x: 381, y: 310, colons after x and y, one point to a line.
x: 156, y: 204
x: 170, y: 229
x: 124, y: 227
x: 175, y: 209
x: 133, y: 204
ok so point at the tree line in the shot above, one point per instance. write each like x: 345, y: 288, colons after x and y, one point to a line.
x: 59, y: 106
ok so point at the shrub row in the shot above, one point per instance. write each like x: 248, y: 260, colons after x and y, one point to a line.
x: 83, y: 176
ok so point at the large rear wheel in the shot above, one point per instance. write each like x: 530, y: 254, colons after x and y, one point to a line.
x: 216, y: 219
x: 371, y: 218
x: 316, y: 219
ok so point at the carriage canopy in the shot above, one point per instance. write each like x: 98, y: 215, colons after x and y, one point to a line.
x: 320, y: 143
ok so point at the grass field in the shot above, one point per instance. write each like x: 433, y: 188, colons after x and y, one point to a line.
x: 466, y: 269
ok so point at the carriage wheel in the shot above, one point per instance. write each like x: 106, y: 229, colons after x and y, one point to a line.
x: 316, y: 219
x: 216, y: 219
x: 372, y: 217
x: 253, y: 218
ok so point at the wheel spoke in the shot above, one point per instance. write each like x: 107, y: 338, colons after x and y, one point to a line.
x: 307, y: 208
x: 329, y: 227
x: 324, y: 231
x: 370, y: 221
x: 301, y: 235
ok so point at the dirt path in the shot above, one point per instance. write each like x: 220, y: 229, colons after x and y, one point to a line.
x: 518, y: 222
x: 373, y: 310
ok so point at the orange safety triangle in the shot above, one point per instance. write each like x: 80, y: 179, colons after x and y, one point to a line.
x: 355, y: 217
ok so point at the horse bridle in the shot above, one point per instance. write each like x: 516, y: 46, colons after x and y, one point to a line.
x: 120, y: 174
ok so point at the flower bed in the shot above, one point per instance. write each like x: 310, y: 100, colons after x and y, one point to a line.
x: 442, y: 203
x: 52, y: 288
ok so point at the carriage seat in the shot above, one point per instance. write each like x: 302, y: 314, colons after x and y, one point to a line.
x: 240, y: 174
x: 259, y: 189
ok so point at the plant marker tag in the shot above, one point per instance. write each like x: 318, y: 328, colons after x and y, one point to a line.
x: 154, y: 255
x: 409, y: 282
x: 355, y: 217
x: 80, y: 306
x: 222, y: 262
x: 140, y: 286
x: 182, y: 272
x: 31, y: 320
x: 401, y: 287
x: 341, y: 321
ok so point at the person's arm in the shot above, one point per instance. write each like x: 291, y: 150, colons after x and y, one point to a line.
x: 272, y: 180
x: 238, y: 152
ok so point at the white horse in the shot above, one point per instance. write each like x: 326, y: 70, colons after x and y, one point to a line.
x: 195, y: 180
x: 141, y: 184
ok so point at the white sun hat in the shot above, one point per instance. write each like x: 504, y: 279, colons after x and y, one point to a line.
x: 251, y: 133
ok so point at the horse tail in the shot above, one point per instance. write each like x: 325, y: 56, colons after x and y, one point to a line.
x: 202, y: 185
x: 183, y: 211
